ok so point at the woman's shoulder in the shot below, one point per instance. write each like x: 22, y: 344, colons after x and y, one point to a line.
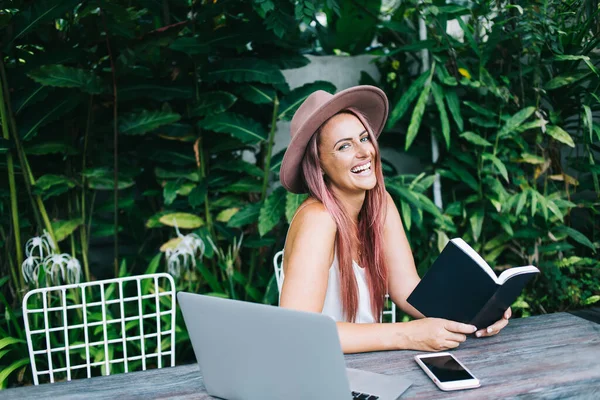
x: 312, y: 214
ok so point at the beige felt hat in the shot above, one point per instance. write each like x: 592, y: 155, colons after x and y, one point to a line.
x: 314, y: 111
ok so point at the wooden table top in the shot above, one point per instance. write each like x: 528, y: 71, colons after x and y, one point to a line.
x: 549, y: 356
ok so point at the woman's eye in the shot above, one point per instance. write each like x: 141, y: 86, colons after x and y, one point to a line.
x: 344, y: 146
x: 364, y: 139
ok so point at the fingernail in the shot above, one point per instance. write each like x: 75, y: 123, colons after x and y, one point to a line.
x: 474, y: 328
x: 478, y: 334
x: 489, y: 329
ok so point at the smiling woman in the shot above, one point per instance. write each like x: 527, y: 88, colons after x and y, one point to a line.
x: 346, y: 246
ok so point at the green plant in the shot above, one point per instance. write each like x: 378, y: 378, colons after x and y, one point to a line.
x: 512, y: 106
x: 122, y: 118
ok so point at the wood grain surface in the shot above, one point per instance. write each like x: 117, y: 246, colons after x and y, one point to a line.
x: 550, y: 357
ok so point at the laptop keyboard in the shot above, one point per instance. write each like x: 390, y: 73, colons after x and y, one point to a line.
x: 363, y: 396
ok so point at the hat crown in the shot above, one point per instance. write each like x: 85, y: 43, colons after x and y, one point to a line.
x: 307, y: 108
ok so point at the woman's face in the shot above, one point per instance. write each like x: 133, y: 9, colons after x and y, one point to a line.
x: 347, y: 154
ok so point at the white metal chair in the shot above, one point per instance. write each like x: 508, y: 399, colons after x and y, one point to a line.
x: 389, y: 305
x: 128, y: 321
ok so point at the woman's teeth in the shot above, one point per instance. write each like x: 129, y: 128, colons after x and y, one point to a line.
x: 361, y: 168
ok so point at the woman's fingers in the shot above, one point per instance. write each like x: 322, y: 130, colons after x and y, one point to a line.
x: 456, y: 337
x: 493, y: 329
x: 508, y: 313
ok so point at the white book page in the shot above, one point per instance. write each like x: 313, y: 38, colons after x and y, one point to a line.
x: 507, y: 274
x: 476, y: 257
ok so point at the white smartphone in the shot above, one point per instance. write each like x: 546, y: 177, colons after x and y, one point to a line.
x: 446, y: 371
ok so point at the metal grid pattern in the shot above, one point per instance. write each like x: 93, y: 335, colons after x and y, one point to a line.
x: 389, y: 305
x: 147, y: 293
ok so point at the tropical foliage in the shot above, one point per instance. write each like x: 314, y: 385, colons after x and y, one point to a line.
x: 512, y: 103
x: 138, y: 137
x: 130, y: 127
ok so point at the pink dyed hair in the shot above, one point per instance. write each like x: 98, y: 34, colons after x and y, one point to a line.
x: 370, y: 226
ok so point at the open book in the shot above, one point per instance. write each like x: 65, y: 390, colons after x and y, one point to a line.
x: 461, y: 286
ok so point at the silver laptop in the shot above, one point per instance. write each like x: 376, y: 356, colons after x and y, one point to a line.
x: 258, y: 352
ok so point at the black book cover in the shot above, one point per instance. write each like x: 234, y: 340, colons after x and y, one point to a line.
x: 457, y: 288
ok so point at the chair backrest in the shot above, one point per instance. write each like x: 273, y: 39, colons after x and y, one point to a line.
x: 389, y: 306
x: 278, y: 266
x: 113, y: 325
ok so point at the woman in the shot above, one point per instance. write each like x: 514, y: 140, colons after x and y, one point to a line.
x: 346, y: 246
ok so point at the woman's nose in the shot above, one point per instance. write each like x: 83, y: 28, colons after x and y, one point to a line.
x: 362, y: 150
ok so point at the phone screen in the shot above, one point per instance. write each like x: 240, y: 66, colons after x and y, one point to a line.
x: 446, y: 369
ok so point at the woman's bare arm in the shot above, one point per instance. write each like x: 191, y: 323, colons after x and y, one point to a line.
x: 307, y: 259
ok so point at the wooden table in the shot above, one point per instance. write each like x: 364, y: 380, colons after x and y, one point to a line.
x: 550, y: 356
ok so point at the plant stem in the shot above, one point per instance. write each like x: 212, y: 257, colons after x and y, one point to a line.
x: 27, y: 174
x: 83, y: 229
x: 13, y: 126
x: 267, y: 163
x: 14, y: 207
x: 115, y: 150
x: 14, y: 270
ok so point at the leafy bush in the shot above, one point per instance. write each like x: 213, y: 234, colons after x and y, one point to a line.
x: 513, y: 105
x: 125, y: 122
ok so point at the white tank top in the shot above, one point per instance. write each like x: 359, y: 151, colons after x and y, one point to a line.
x: 333, y: 300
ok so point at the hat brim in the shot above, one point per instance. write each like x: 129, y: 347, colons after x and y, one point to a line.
x: 369, y: 100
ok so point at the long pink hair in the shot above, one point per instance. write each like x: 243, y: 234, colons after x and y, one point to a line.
x: 370, y: 227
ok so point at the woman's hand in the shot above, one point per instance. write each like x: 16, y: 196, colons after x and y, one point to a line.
x: 434, y: 334
x: 497, y: 327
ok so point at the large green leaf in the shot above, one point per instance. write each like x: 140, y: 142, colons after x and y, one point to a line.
x: 464, y: 175
x: 476, y: 222
x: 257, y: 93
x: 63, y: 229
x: 563, y: 80
x: 290, y: 103
x: 182, y: 220
x: 417, y: 115
x: 61, y: 76
x: 438, y: 95
x: 517, y: 119
x: 239, y: 126
x: 498, y: 164
x: 272, y: 211
x: 411, y: 93
x: 210, y: 103
x: 292, y: 203
x: 244, y: 70
x: 454, y: 106
x: 560, y: 135
x: 474, y: 138
x: 146, y: 121
x: 51, y: 148
x: 247, y: 215
x: 578, y: 237
x: 52, y: 185
x: 479, y: 109
x: 468, y: 35
x: 589, y: 121
x: 7, y: 370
